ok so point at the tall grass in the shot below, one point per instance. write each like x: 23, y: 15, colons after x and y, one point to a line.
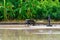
x: 29, y: 9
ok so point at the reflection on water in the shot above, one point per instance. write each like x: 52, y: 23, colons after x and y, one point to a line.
x: 24, y: 35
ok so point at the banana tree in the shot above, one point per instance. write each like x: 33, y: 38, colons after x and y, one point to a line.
x: 5, y: 14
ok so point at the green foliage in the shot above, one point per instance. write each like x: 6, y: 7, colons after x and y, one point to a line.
x: 1, y: 13
x: 29, y: 9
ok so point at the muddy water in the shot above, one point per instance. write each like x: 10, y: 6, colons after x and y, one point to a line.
x: 23, y: 35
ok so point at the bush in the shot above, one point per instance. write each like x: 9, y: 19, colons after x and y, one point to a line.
x: 1, y: 14
x: 28, y: 9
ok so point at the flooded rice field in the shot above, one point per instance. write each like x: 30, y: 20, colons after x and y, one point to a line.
x: 28, y: 35
x: 37, y: 32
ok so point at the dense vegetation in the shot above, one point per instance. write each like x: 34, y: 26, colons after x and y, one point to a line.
x: 29, y: 9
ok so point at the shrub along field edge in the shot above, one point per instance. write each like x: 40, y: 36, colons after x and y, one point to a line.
x: 29, y: 9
